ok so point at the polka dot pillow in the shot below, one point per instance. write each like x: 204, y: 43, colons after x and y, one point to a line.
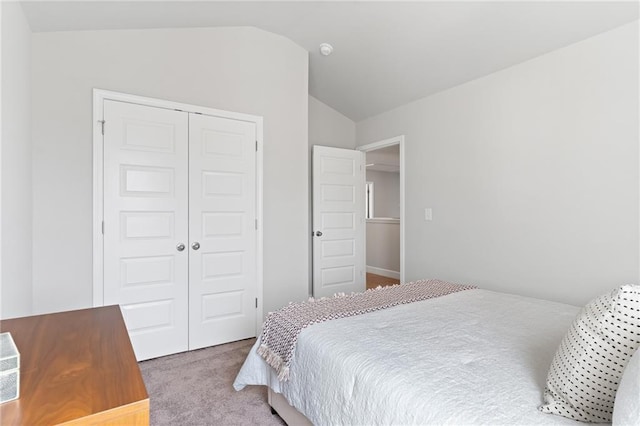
x: 589, y: 363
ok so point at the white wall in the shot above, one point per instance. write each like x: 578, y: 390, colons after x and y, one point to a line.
x: 383, y: 247
x: 386, y: 193
x: 532, y: 174
x: 237, y: 69
x: 327, y: 127
x: 15, y: 287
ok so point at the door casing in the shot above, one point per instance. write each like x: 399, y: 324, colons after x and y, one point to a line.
x: 99, y: 96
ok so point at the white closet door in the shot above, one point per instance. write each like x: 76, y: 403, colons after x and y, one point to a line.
x: 145, y: 220
x: 338, y: 221
x: 222, y: 230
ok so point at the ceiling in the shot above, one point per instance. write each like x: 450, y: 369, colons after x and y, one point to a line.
x: 386, y: 53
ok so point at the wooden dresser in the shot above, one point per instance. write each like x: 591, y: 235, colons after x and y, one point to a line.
x: 76, y: 368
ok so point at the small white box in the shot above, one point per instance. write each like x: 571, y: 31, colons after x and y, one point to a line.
x: 9, y: 369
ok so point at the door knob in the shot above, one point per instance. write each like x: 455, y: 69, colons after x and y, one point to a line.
x: 180, y: 247
x: 318, y: 233
x: 195, y: 245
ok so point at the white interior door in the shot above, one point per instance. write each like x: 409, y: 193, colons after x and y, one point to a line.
x: 222, y: 230
x: 145, y: 221
x: 338, y: 221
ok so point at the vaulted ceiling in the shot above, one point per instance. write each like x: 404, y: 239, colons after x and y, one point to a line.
x: 386, y: 53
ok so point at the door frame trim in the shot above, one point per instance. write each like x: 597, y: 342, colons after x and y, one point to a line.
x: 397, y: 140
x: 99, y: 96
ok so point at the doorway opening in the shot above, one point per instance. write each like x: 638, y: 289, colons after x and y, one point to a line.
x: 384, y: 201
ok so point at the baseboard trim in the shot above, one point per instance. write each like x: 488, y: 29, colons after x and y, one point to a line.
x: 384, y: 272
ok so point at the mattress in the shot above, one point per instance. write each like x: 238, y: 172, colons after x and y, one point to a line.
x: 474, y: 357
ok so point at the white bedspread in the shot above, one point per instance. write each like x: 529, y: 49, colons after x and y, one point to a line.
x: 471, y: 358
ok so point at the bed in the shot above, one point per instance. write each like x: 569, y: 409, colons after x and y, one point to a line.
x: 472, y: 357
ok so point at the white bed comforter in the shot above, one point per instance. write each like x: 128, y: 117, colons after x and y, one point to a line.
x: 471, y: 358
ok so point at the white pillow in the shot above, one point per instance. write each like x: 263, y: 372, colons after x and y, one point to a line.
x: 626, y: 410
x: 589, y: 363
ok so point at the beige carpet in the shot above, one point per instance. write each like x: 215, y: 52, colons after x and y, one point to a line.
x: 194, y: 388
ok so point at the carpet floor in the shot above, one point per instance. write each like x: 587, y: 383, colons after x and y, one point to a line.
x: 195, y: 388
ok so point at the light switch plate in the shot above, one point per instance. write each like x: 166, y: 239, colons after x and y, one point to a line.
x: 428, y: 214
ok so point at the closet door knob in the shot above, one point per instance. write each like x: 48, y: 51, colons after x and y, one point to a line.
x: 318, y: 233
x: 180, y: 247
x: 195, y: 245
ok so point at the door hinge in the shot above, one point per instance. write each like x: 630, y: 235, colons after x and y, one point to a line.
x: 256, y: 302
x: 102, y: 126
x: 103, y: 227
x: 256, y: 222
x: 256, y: 146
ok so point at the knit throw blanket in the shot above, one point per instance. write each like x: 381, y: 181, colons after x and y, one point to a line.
x: 281, y: 329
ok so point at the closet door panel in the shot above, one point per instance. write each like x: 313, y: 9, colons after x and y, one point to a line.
x: 145, y: 218
x: 222, y: 214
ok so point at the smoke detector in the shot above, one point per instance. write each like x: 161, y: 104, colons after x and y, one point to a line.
x: 326, y: 49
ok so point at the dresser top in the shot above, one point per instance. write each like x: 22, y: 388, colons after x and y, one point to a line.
x: 72, y: 365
